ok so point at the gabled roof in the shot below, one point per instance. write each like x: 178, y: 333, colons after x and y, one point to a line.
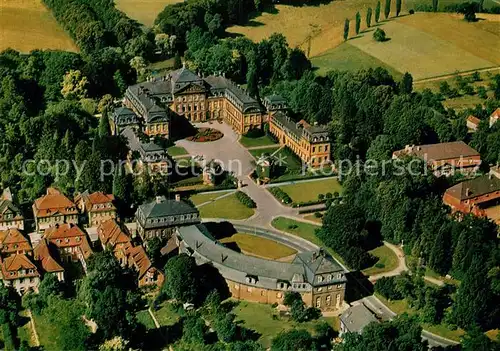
x: 472, y: 188
x: 164, y: 207
x: 111, y: 233
x: 17, y: 262
x: 357, y: 317
x: 62, y: 231
x: 53, y: 202
x: 96, y: 198
x: 473, y: 119
x: 14, y: 236
x: 441, y: 151
x: 42, y: 253
x: 140, y: 260
x: 7, y: 205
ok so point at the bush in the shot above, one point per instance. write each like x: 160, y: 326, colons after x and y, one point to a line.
x: 379, y: 35
x: 280, y: 195
x: 245, y: 199
x: 255, y: 133
x: 386, y: 286
x: 292, y: 226
x: 412, y: 11
x: 318, y: 214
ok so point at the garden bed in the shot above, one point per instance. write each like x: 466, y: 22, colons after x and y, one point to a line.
x: 206, y: 135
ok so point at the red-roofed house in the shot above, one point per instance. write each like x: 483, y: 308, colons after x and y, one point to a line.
x: 19, y: 272
x: 10, y: 215
x: 98, y: 206
x: 70, y: 241
x: 54, y: 208
x: 472, y: 123
x: 495, y: 116
x: 114, y: 236
x: 13, y: 242
x: 46, y: 260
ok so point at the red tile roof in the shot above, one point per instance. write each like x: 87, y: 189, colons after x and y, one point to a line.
x: 12, y: 237
x: 53, y: 202
x: 111, y: 233
x: 14, y: 263
x: 140, y: 260
x: 473, y: 119
x: 68, y: 235
x: 43, y: 255
x: 97, y: 198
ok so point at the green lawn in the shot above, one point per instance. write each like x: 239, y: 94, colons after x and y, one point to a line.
x: 255, y: 246
x: 253, y: 142
x: 387, y: 261
x: 166, y: 315
x: 309, y: 191
x: 303, y: 230
x: 25, y: 332
x: 228, y: 207
x: 177, y: 151
x: 256, y: 153
x: 47, y: 332
x: 347, y: 57
x: 145, y: 319
x: 259, y: 317
x: 205, y: 197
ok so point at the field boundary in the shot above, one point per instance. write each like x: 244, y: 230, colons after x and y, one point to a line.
x: 462, y: 73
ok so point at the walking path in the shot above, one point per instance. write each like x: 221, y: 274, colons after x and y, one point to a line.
x: 217, y: 198
x: 402, y: 267
x: 35, y: 333
x: 263, y: 147
x: 155, y: 321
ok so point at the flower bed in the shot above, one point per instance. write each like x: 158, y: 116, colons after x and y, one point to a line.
x: 205, y: 135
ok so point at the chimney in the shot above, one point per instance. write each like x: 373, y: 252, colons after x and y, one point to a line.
x: 178, y: 197
x: 467, y: 192
x: 159, y: 199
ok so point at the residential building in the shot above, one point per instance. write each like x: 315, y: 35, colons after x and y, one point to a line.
x: 319, y: 279
x: 13, y: 242
x: 44, y: 254
x: 444, y: 158
x: 113, y: 235
x: 198, y: 99
x: 10, y: 215
x: 98, y: 207
x: 71, y: 242
x: 356, y: 318
x: 160, y: 217
x: 494, y: 117
x: 19, y: 272
x: 54, y: 208
x: 154, y: 156
x: 310, y: 143
x: 472, y: 123
x: 479, y: 196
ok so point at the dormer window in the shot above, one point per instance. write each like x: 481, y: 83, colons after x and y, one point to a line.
x: 320, y: 279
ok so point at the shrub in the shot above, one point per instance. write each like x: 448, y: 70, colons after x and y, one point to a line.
x: 292, y: 226
x: 321, y: 197
x: 318, y: 214
x: 412, y: 11
x: 329, y: 195
x: 379, y: 35
x: 280, y: 195
x: 255, y: 133
x: 386, y: 286
x: 245, y: 199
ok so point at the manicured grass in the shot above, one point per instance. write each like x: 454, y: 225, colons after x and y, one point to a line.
x: 309, y: 191
x: 387, y: 261
x: 177, y: 151
x: 253, y: 142
x: 312, y: 217
x: 255, y: 246
x: 303, y: 230
x: 228, y: 207
x: 205, y: 197
x: 160, y: 67
x: 144, y: 11
x: 145, y: 319
x: 166, y: 315
x: 28, y: 25
x: 259, y: 317
x: 346, y: 57
x: 47, y: 332
x: 259, y: 152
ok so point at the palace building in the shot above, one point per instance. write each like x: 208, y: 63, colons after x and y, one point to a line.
x: 152, y: 104
x: 317, y: 277
x: 310, y: 143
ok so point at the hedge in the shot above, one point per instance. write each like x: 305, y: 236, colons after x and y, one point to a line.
x: 245, y: 199
x: 280, y: 195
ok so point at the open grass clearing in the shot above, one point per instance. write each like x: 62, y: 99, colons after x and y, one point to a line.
x: 255, y: 142
x: 387, y: 261
x: 423, y: 54
x: 206, y: 197
x: 145, y: 319
x: 143, y: 11
x: 47, y: 332
x: 259, y: 247
x: 259, y: 317
x: 309, y: 191
x: 256, y: 153
x: 28, y: 25
x: 347, y: 57
x: 228, y: 207
x: 166, y: 315
x: 177, y: 151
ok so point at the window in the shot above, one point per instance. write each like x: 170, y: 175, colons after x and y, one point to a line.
x: 339, y: 286
x: 318, y: 302
x: 328, y: 300
x: 279, y: 295
x: 249, y: 289
x: 320, y: 279
x: 329, y: 277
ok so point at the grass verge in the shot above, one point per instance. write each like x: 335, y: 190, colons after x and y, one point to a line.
x: 228, y: 207
x: 255, y: 246
x: 255, y: 142
x: 309, y: 191
x: 387, y: 261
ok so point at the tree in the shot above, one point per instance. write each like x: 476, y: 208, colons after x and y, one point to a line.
x: 468, y: 9
x: 297, y: 340
x: 182, y: 283
x: 177, y: 61
x: 139, y: 64
x: 476, y: 340
x: 154, y: 247
x: 225, y: 327
x: 346, y: 29
x: 398, y: 7
x: 358, y: 22
x: 386, y: 286
x: 379, y: 35
x: 435, y: 4
x: 104, y: 128
x: 481, y: 92
x: 74, y: 85
x: 406, y: 85
x: 120, y: 185
x: 369, y: 17
x: 377, y: 12
x: 387, y: 8
x: 105, y: 104
x: 194, y: 329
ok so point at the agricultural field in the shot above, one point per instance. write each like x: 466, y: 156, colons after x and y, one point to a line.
x: 28, y: 25
x: 259, y: 247
x: 143, y: 11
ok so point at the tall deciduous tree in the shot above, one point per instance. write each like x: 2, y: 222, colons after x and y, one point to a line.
x: 377, y: 12
x: 387, y: 8
x: 346, y: 29
x: 104, y: 129
x: 358, y: 22
x: 435, y: 4
x: 406, y: 85
x: 182, y: 283
x: 398, y: 7
x: 369, y: 17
